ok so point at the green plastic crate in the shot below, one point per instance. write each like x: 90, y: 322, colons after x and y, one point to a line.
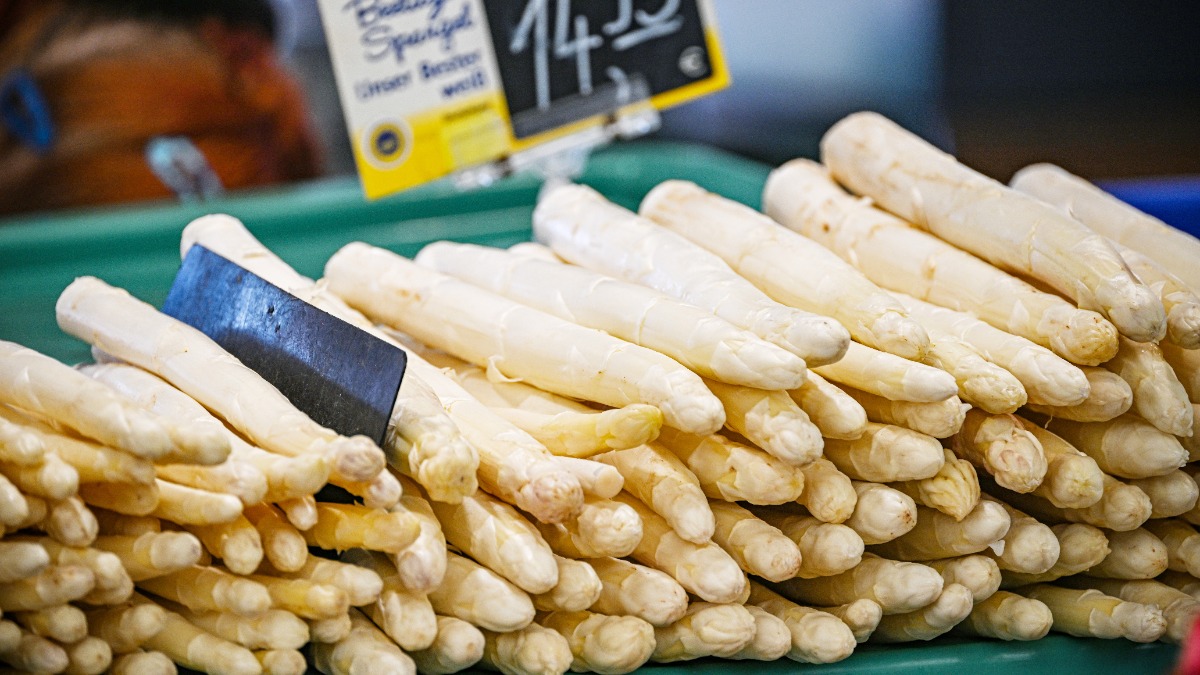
x: 137, y: 248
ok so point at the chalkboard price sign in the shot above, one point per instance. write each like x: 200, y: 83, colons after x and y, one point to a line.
x: 561, y: 61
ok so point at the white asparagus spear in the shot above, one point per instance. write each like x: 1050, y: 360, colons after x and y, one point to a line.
x: 1046, y: 377
x: 897, y: 587
x: 882, y: 513
x: 1109, y: 397
x: 566, y: 427
x: 826, y: 549
x: 93, y: 462
x: 953, y: 490
x: 1007, y: 616
x: 703, y: 569
x: 1002, y: 447
x: 789, y: 267
x: 831, y: 409
x: 596, y: 479
x: 577, y: 589
x: 475, y: 594
x: 817, y: 637
x: 951, y: 607
x: 759, y: 548
x: 707, y: 629
x: 405, y: 616
x: 1180, y: 541
x: 640, y: 591
x: 1181, y: 581
x: 135, y: 332
x: 906, y: 175
x: 801, y: 195
x: 735, y: 471
x: 1180, y: 301
x: 603, y: 528
x: 286, y: 477
x: 421, y: 565
x: 601, y: 643
x: 420, y: 438
x: 364, y: 649
x: 583, y: 227
x: 937, y: 535
x: 941, y: 419
x: 532, y: 650
x: 458, y: 646
x: 861, y: 616
x: 1171, y: 494
x: 1109, y: 216
x: 1158, y: 396
x: 510, y: 339
x: 1029, y: 546
x: 887, y: 375
x: 274, y: 629
x: 887, y: 453
x: 1091, y: 613
x: 500, y: 538
x: 61, y: 623
x: 1186, y: 364
x: 828, y: 494
x: 193, y: 647
x: 18, y: 445
x: 1073, y: 480
x: 21, y: 560
x: 1179, y: 609
x: 705, y: 343
x: 1127, y: 447
x: 771, y: 420
x: 1136, y: 554
x: 1121, y: 506
x: 1081, y: 547
x: 127, y: 626
x: 512, y: 465
x: 977, y: 572
x: 663, y: 482
x: 981, y: 383
x: 40, y: 384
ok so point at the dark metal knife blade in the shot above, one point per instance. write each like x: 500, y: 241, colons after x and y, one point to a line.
x: 341, y: 376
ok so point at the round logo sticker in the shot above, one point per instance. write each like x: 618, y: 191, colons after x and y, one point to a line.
x: 388, y: 143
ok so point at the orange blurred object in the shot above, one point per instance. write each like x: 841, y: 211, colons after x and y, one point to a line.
x: 112, y: 82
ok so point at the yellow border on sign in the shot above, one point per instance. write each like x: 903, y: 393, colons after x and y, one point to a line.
x: 719, y: 79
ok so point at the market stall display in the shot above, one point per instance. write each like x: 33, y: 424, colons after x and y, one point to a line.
x: 505, y: 550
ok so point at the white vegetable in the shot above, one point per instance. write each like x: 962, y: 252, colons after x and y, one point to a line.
x: 906, y: 175
x: 583, y: 227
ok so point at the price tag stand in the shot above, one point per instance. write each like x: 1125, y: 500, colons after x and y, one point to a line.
x: 631, y: 116
x: 480, y: 90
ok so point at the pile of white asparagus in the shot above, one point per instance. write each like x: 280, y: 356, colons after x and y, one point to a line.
x: 943, y: 405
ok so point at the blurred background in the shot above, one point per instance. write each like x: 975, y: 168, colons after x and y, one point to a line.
x: 1106, y: 88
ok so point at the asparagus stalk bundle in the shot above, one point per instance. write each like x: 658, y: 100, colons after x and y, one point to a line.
x: 710, y: 345
x: 874, y: 157
x: 802, y: 196
x: 1108, y: 397
x: 489, y: 330
x: 566, y: 427
x: 1112, y: 218
x: 789, y: 267
x: 583, y: 227
x: 834, y: 412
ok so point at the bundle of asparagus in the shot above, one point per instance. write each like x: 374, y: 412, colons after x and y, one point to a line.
x: 686, y: 433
